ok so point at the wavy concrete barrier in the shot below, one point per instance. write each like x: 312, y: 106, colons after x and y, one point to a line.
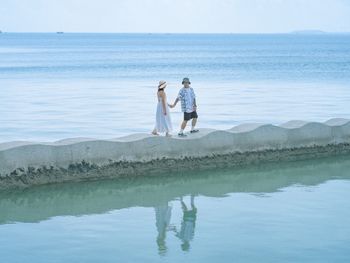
x: 27, y: 163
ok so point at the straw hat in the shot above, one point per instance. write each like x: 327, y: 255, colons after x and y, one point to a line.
x: 162, y: 84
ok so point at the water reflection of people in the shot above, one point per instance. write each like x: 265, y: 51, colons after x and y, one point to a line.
x: 163, y: 215
x: 188, y: 224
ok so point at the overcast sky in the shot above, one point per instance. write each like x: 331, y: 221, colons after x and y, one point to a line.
x: 173, y: 16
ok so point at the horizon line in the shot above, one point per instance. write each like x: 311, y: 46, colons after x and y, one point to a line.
x: 314, y: 32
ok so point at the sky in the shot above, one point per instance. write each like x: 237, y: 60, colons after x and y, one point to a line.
x: 174, y: 16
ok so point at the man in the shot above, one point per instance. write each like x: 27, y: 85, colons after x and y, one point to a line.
x: 188, y: 224
x: 188, y: 106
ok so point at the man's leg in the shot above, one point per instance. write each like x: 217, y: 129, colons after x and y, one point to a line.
x: 194, y: 122
x: 194, y: 116
x: 183, y: 205
x: 192, y: 202
x: 187, y: 117
x: 183, y: 125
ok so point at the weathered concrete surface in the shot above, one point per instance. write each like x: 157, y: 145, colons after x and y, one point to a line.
x: 28, y: 163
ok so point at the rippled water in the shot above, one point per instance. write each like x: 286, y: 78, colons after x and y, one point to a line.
x: 54, y: 86
x: 296, y: 212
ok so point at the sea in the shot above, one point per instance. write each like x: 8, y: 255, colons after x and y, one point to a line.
x: 65, y: 85
x: 56, y: 86
x: 282, y: 212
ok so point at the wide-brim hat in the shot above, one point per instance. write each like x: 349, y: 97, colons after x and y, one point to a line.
x: 162, y: 84
x: 186, y: 80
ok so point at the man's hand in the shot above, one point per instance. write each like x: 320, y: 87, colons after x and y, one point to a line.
x: 194, y: 108
x: 173, y: 105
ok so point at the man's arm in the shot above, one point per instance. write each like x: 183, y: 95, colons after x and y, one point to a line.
x: 176, y: 101
x: 194, y: 105
x: 194, y: 101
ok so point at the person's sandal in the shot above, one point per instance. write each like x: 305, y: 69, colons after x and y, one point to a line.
x: 194, y: 131
x: 181, y: 134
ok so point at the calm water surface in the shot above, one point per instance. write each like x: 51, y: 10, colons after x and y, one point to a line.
x: 296, y: 212
x: 54, y: 86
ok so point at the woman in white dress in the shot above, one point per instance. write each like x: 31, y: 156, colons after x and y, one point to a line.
x: 163, y: 120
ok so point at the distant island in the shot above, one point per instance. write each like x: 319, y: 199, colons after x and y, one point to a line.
x: 308, y: 32
x: 59, y: 32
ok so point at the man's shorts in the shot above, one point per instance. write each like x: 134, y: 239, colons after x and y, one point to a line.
x: 190, y: 115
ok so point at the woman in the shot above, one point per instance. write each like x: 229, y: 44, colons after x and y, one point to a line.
x: 163, y: 120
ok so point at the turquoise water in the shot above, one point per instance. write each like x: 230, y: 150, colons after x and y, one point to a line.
x: 287, y: 212
x: 55, y: 86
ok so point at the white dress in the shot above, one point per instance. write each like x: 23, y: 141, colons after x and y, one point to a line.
x: 163, y: 122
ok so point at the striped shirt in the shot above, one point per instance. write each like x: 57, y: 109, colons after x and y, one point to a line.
x: 187, y: 97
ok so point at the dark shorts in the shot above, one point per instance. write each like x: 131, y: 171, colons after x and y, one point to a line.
x: 190, y: 115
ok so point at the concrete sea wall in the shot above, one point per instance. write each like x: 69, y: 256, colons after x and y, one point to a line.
x: 24, y: 164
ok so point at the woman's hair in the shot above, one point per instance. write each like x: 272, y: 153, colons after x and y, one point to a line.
x: 159, y: 87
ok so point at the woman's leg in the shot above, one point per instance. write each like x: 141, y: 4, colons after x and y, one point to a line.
x: 154, y: 132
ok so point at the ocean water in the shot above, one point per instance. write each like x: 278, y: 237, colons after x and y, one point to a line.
x: 287, y: 212
x: 54, y: 86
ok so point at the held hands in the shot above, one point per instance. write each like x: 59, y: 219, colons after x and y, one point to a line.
x: 171, y: 105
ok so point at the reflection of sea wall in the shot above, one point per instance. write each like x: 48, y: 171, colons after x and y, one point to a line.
x: 40, y: 203
x: 24, y: 164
